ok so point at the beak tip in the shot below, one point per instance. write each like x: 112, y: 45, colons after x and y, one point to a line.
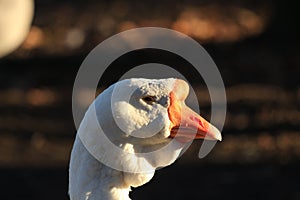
x: 215, y: 133
x: 218, y: 137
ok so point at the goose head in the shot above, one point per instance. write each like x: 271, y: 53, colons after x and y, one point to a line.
x: 136, y: 126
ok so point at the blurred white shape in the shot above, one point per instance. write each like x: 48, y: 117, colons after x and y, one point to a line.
x: 15, y: 22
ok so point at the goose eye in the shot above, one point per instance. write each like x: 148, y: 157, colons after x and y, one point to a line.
x: 149, y: 99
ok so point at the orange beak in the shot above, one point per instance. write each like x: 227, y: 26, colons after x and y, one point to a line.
x: 186, y: 124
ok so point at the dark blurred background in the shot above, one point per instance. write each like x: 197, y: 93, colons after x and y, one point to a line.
x: 256, y: 47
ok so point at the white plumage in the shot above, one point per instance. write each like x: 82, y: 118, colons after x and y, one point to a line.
x: 137, y: 116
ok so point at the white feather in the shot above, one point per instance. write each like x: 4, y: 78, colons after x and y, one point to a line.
x: 116, y: 118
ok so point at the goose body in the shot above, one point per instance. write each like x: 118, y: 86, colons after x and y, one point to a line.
x: 149, y: 123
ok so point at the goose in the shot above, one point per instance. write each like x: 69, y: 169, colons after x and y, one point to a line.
x: 145, y: 118
x: 15, y: 22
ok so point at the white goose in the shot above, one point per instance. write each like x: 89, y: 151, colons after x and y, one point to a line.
x: 126, y: 110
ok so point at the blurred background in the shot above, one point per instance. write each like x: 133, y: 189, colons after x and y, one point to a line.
x: 255, y: 45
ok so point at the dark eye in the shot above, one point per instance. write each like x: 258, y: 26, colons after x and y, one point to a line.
x: 149, y: 99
